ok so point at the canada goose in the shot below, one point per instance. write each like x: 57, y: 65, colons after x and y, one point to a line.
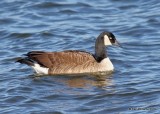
x: 72, y: 61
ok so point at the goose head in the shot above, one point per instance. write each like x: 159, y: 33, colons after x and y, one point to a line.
x: 103, y: 40
x: 108, y: 39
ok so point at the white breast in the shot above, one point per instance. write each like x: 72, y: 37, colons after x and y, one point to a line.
x: 106, y: 65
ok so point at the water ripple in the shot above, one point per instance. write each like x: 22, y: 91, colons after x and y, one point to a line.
x: 67, y: 24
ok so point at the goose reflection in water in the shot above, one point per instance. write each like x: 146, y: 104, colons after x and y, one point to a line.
x: 82, y: 81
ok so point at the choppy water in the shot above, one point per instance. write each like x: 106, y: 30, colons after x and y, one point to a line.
x: 58, y: 25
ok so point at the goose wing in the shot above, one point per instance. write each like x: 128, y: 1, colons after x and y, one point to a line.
x: 64, y: 58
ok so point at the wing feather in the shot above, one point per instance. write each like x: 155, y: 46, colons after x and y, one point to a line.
x: 61, y: 59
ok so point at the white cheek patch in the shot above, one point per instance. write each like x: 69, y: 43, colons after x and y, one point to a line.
x: 106, y: 40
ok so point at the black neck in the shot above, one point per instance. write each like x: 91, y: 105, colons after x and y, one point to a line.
x: 100, y: 52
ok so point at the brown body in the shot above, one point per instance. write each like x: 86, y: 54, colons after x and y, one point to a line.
x: 66, y: 62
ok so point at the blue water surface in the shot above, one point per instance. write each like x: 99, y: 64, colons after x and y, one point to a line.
x: 56, y: 25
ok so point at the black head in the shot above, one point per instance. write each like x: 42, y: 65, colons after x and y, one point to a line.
x: 104, y: 39
x: 109, y: 38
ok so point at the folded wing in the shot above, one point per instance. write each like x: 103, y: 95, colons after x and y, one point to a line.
x: 60, y: 59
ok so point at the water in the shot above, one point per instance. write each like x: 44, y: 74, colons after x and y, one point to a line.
x: 72, y: 24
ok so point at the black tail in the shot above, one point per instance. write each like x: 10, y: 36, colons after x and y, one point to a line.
x: 25, y: 61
